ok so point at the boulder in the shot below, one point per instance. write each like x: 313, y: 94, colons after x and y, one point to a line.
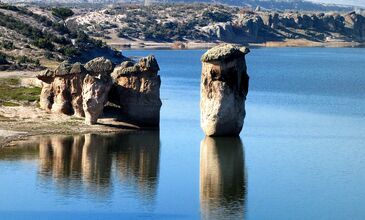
x: 224, y: 86
x: 136, y: 91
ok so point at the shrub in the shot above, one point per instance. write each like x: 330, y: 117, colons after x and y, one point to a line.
x: 7, y: 44
x: 3, y: 59
x: 217, y: 16
x: 44, y: 44
x: 62, y: 12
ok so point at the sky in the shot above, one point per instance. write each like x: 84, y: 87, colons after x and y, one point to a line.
x: 344, y: 2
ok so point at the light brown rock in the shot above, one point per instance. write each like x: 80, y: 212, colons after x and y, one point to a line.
x: 224, y: 86
x: 137, y: 91
x: 61, y: 89
x: 95, y: 88
x: 75, y: 89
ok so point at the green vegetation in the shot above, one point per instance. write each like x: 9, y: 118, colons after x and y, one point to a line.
x: 11, y: 92
x: 53, y: 37
x: 3, y: 59
x: 62, y: 12
x: 10, y: 104
x: 217, y: 16
x: 7, y: 45
x: 25, y: 59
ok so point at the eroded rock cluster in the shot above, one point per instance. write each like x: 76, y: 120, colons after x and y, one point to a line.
x: 76, y: 89
x: 83, y: 90
x: 136, y: 90
x: 224, y: 86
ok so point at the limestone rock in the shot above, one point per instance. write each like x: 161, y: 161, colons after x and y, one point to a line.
x: 73, y: 89
x: 96, y: 87
x: 224, y: 86
x: 95, y: 94
x: 99, y: 65
x: 136, y: 90
x: 61, y: 89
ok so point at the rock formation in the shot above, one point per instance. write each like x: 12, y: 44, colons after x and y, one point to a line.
x: 224, y: 86
x: 136, y: 90
x: 96, y: 87
x: 61, y: 89
x: 74, y: 89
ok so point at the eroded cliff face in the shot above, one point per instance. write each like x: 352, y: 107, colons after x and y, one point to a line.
x: 224, y: 86
x: 74, y: 89
x: 136, y: 90
x: 250, y: 27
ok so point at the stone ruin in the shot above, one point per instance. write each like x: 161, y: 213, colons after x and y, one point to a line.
x: 83, y: 90
x: 224, y: 87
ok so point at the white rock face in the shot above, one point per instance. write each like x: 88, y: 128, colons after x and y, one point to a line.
x: 224, y: 86
x: 95, y: 94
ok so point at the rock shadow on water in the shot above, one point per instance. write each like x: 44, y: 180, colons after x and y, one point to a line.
x: 222, y: 178
x: 89, y: 163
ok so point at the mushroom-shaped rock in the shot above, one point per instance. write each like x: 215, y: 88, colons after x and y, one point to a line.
x: 224, y: 86
x: 77, y: 89
x: 61, y: 89
x: 136, y: 91
x: 96, y: 87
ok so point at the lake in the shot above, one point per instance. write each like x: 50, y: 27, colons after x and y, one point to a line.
x: 301, y: 154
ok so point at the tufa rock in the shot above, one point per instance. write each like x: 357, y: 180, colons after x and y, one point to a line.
x: 136, y: 91
x: 61, y: 89
x: 96, y: 87
x: 224, y: 86
x: 74, y: 90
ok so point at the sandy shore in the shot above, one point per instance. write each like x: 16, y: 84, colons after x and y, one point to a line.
x: 23, y: 121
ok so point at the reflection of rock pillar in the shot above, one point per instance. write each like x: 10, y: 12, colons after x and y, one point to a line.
x: 61, y: 147
x: 96, y: 163
x: 224, y: 86
x: 222, y: 179
x: 138, y: 160
x: 76, y: 153
x: 45, y: 155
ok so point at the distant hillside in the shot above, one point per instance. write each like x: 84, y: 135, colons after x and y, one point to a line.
x: 218, y: 23
x: 274, y: 4
x: 306, y: 5
x: 30, y: 37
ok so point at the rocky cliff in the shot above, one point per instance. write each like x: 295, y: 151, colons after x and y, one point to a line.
x: 217, y: 23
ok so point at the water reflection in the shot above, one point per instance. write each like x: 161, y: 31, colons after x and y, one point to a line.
x: 96, y: 162
x: 222, y: 178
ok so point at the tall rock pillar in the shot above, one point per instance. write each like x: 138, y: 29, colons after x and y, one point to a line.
x: 224, y: 86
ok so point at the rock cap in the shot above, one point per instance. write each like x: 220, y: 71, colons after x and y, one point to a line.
x: 99, y: 65
x: 224, y: 52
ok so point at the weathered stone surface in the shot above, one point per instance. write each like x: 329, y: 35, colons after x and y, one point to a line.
x: 99, y: 65
x: 136, y: 90
x: 96, y: 87
x: 224, y: 86
x: 61, y: 89
x: 74, y: 89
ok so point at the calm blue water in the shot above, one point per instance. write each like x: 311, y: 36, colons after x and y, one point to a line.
x: 301, y: 154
